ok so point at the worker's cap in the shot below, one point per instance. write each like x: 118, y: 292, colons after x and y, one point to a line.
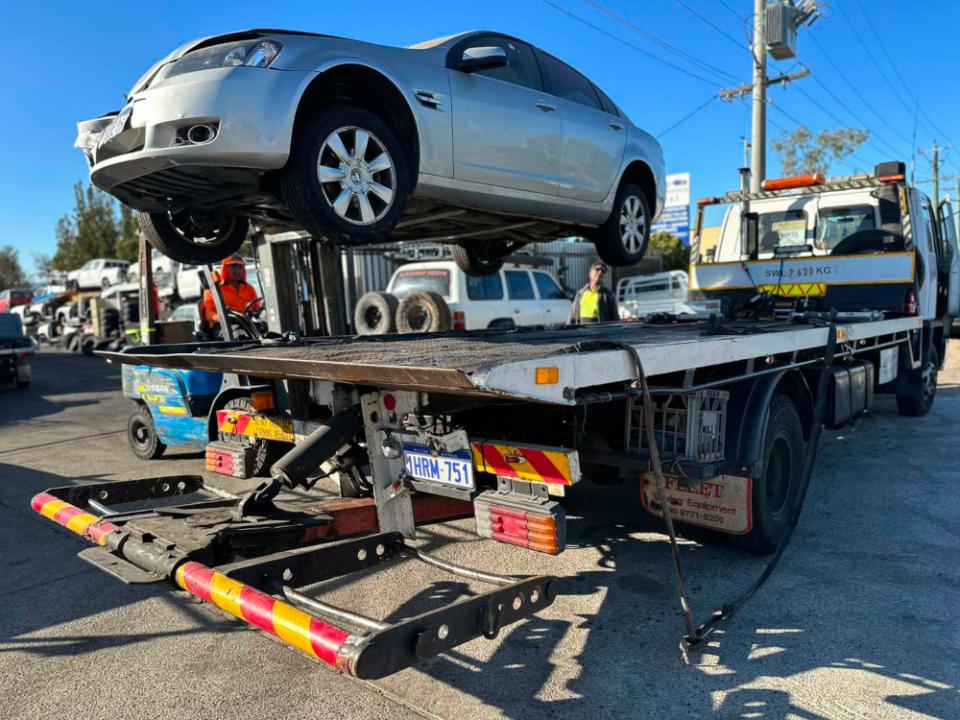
x: 599, y: 265
x: 233, y: 260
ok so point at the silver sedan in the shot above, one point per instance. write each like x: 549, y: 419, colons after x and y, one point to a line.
x: 479, y: 140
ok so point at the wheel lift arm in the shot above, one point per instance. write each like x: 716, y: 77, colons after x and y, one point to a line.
x: 140, y: 546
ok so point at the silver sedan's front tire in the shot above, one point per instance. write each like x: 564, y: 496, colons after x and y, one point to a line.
x: 347, y: 177
x: 623, y: 239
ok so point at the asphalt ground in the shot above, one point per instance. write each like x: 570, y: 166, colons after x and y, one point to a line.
x: 859, y: 621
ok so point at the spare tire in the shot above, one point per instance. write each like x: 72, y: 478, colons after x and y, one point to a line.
x: 423, y: 311
x: 375, y: 314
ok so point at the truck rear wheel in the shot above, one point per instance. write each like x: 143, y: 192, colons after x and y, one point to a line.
x: 423, y: 311
x: 918, y: 405
x: 775, y: 492
x: 142, y: 435
x: 375, y: 314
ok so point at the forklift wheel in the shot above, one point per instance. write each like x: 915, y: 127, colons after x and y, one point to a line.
x: 142, y: 435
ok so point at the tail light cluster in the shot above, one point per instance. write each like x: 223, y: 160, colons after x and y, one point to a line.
x: 459, y: 320
x: 540, y: 527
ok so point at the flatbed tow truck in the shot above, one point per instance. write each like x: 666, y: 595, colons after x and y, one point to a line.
x: 719, y: 419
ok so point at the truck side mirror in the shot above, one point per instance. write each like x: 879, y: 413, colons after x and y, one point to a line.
x: 751, y: 232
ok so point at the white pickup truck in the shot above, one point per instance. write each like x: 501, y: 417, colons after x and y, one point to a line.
x: 867, y: 243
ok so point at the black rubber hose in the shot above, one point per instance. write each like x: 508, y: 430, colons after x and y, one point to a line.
x: 301, y: 463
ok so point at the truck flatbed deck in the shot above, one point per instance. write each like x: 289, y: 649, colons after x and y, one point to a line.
x: 503, y: 363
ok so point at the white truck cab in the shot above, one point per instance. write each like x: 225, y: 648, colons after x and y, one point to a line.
x: 861, y: 244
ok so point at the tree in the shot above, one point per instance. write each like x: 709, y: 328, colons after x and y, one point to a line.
x: 93, y: 230
x: 674, y: 255
x: 803, y: 152
x: 11, y: 273
x: 128, y: 242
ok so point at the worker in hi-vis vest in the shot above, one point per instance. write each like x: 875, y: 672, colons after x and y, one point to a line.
x: 594, y: 302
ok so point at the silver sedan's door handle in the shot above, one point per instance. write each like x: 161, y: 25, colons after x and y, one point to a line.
x: 546, y: 107
x: 616, y: 126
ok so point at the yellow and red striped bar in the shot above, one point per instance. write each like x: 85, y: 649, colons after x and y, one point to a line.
x: 92, y: 527
x: 306, y: 633
x: 533, y: 463
x: 237, y: 422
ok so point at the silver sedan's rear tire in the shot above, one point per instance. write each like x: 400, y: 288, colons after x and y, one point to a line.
x: 623, y: 239
x: 192, y: 237
x: 347, y: 177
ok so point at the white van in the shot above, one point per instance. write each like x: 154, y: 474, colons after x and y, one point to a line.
x: 514, y: 296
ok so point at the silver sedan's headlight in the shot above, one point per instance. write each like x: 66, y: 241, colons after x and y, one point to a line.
x: 250, y: 53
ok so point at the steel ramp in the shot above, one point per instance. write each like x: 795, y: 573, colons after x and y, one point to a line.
x: 254, y: 567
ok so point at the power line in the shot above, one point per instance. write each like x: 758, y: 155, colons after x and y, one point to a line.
x: 686, y: 117
x: 856, y: 117
x: 876, y: 64
x: 797, y: 123
x: 829, y: 112
x: 630, y: 45
x: 736, y: 14
x: 662, y: 43
x: 846, y: 79
x: 896, y: 70
x: 709, y: 22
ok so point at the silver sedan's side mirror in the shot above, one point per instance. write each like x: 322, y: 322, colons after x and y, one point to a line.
x: 483, y: 58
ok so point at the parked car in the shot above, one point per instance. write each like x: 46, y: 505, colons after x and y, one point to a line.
x: 15, y: 351
x: 439, y: 295
x: 164, y: 273
x: 100, y: 273
x: 10, y: 299
x: 478, y: 139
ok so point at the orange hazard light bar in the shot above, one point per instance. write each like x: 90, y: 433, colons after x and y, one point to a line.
x: 795, y: 181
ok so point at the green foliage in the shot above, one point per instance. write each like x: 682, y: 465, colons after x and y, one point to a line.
x: 11, y: 273
x: 674, y: 255
x: 803, y: 152
x: 94, y: 230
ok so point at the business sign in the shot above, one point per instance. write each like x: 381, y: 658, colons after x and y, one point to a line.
x: 675, y: 218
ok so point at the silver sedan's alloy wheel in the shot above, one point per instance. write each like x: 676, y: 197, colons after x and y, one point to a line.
x: 633, y: 224
x: 357, y: 175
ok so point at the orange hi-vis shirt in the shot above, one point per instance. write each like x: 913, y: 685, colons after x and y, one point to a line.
x: 235, y: 298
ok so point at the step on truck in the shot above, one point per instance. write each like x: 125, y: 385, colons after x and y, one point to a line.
x: 718, y: 420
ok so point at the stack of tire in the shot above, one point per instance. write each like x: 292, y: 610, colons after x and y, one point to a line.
x: 421, y: 311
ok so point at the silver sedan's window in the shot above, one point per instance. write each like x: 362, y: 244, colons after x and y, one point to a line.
x: 565, y: 82
x: 521, y: 67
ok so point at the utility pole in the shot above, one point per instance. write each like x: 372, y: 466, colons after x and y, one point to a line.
x: 758, y: 151
x: 936, y: 177
x: 780, y: 42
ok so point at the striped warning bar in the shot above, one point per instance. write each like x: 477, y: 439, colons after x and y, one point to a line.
x: 94, y: 528
x: 237, y: 422
x: 533, y: 463
x: 306, y: 633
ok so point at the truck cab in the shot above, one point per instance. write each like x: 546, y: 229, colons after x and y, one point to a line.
x: 861, y: 244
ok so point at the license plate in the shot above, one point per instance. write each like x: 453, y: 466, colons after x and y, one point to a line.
x: 454, y: 469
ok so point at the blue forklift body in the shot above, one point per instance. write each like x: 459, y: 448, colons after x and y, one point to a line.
x: 178, y: 400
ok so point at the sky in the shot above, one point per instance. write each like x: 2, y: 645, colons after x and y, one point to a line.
x: 661, y: 60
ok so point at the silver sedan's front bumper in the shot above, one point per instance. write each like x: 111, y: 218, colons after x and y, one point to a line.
x: 253, y: 110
